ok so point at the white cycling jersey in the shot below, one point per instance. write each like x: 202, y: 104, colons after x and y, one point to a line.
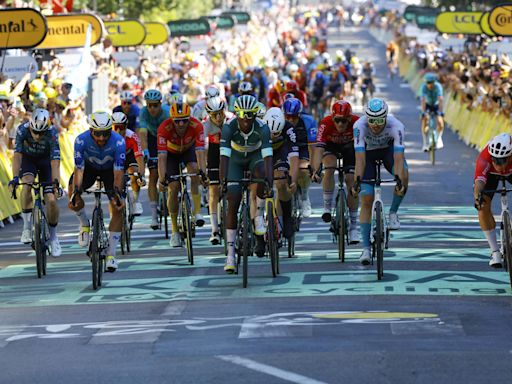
x: 392, y: 134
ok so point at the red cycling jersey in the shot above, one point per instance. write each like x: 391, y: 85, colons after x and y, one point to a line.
x: 327, y: 132
x: 170, y: 141
x: 274, y: 98
x: 133, y: 143
x: 484, y: 166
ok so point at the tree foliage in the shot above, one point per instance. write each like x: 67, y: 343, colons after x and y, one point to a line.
x: 464, y: 5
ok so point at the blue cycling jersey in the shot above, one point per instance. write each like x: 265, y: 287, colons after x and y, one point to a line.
x: 150, y: 123
x: 431, y: 96
x: 111, y: 156
x: 311, y: 126
x: 47, y: 146
x: 133, y: 116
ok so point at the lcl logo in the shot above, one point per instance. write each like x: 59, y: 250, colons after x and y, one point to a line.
x: 466, y: 19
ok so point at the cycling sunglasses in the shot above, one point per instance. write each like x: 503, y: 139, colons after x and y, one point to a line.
x: 246, y: 114
x: 153, y: 105
x: 377, y: 120
x: 119, y: 127
x: 102, y: 133
x: 499, y: 160
x: 181, y: 121
x: 341, y: 120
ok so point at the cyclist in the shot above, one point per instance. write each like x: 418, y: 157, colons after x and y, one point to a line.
x: 293, y: 88
x: 37, y: 152
x: 305, y: 129
x: 181, y: 140
x: 392, y: 56
x: 335, y: 139
x: 286, y: 159
x: 134, y: 162
x: 198, y: 110
x: 431, y: 94
x: 367, y: 75
x: 151, y: 116
x: 217, y: 117
x: 494, y: 161
x: 245, y: 145
x: 274, y: 96
x: 99, y: 152
x: 378, y: 136
x: 244, y: 88
x: 130, y: 109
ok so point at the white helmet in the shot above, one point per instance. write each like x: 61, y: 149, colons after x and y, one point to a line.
x: 212, y: 92
x: 501, y: 146
x: 119, y: 118
x: 274, y: 118
x: 40, y: 120
x: 126, y: 96
x: 376, y: 108
x: 100, y: 121
x: 214, y: 104
x: 245, y: 87
x: 293, y: 68
x: 261, y: 111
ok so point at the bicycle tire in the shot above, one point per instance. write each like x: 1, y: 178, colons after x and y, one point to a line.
x: 94, y: 251
x: 271, y: 238
x: 432, y: 148
x: 507, y: 245
x: 38, y: 240
x: 46, y: 234
x: 379, y: 239
x: 295, y: 225
x: 129, y: 221
x: 164, y: 213
x: 123, y: 232
x: 222, y: 209
x: 246, y: 220
x: 187, y: 213
x: 341, y: 224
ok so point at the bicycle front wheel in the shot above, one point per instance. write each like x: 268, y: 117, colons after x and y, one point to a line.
x: 39, y: 241
x: 246, y: 224
x: 507, y: 244
x: 187, y: 224
x: 341, y: 223
x: 432, y: 148
x: 124, y: 229
x: 95, y: 250
x: 272, y: 239
x: 379, y: 239
x: 164, y: 213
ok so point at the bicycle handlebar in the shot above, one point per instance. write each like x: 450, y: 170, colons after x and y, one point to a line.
x: 33, y: 185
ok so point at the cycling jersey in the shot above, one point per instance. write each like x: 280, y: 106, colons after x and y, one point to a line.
x: 392, y: 134
x: 133, y: 145
x: 150, y: 123
x: 306, y: 130
x: 288, y: 139
x: 133, y: 115
x: 170, y: 141
x: 431, y: 96
x: 368, y: 72
x: 234, y: 141
x: 484, y: 167
x: 47, y: 146
x: 274, y: 98
x: 111, y: 155
x: 198, y: 110
x: 327, y: 132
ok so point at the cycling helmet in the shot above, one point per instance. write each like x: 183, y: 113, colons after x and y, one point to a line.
x: 215, y: 104
x: 279, y: 86
x: 126, y: 96
x: 177, y: 98
x: 180, y: 111
x: 292, y: 86
x: 100, y: 121
x: 262, y: 110
x: 245, y: 87
x: 212, y: 92
x: 376, y: 108
x: 288, y: 96
x: 175, y: 88
x: 501, y: 146
x: 430, y: 78
x: 274, y: 118
x: 293, y: 67
x: 246, y: 103
x: 153, y: 95
x: 319, y: 76
x: 292, y: 107
x: 341, y: 108
x: 40, y: 120
x: 119, y: 118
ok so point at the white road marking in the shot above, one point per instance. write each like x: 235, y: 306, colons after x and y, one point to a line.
x: 269, y: 370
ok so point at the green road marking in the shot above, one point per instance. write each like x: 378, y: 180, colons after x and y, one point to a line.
x: 295, y: 284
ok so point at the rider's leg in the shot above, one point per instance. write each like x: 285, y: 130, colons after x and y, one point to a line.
x: 367, y: 196
x: 114, y: 228
x: 153, y: 195
x: 424, y: 132
x: 172, y: 204
x: 52, y: 211
x: 27, y: 202
x: 328, y: 161
x: 213, y: 201
x: 352, y: 202
x: 285, y: 203
x: 135, y: 186
x: 488, y: 224
x: 304, y: 181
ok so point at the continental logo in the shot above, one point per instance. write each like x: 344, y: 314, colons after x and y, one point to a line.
x: 459, y: 22
x: 21, y: 28
x: 70, y: 31
x: 500, y: 20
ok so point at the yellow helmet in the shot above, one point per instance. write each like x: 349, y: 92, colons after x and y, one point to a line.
x: 51, y: 93
x: 56, y: 83
x: 36, y: 85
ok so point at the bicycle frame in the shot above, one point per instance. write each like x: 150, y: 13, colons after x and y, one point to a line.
x: 376, y: 200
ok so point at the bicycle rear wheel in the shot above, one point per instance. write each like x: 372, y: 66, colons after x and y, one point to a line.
x: 341, y: 224
x: 272, y: 239
x: 164, y: 213
x: 507, y: 244
x: 39, y: 240
x: 246, y: 224
x: 187, y: 226
x: 379, y: 239
x: 95, y: 250
x: 124, y: 229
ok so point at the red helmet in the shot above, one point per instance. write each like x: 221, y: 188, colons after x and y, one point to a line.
x: 341, y: 108
x: 292, y: 86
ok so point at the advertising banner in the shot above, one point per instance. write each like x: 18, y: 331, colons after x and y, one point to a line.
x: 156, y: 33
x: 500, y: 20
x: 467, y: 23
x: 189, y: 27
x: 125, y: 33
x: 21, y: 28
x: 69, y: 31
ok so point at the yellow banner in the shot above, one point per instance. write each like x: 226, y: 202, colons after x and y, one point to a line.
x: 459, y: 22
x: 156, y: 33
x: 21, y: 28
x: 69, y: 31
x: 484, y: 24
x: 125, y: 33
x: 500, y: 20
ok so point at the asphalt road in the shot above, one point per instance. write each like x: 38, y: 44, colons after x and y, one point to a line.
x: 439, y: 315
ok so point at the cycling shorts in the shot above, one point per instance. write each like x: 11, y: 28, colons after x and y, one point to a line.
x: 345, y: 152
x: 238, y: 164
x: 90, y: 174
x: 35, y: 166
x: 153, y: 152
x: 175, y: 159
x: 213, y: 163
x: 492, y: 183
